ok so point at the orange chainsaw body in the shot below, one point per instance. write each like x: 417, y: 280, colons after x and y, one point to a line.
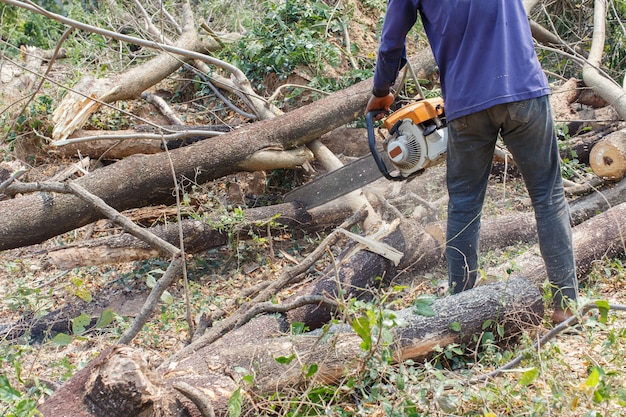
x: 418, y: 112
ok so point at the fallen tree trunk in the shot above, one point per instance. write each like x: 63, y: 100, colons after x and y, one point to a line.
x: 143, y: 180
x: 602, y: 236
x: 608, y: 156
x: 122, y: 381
x: 496, y: 232
x: 199, y: 235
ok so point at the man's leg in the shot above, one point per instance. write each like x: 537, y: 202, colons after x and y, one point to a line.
x: 471, y: 143
x: 529, y: 135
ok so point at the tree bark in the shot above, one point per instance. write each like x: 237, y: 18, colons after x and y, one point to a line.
x: 608, y: 156
x: 143, y: 180
x: 129, y: 142
x: 122, y: 381
x: 496, y: 232
x: 597, y: 238
x: 198, y: 235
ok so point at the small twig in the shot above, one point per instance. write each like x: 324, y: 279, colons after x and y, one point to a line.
x: 153, y: 298
x: 13, y: 177
x: 304, y: 87
x: 163, y: 107
x: 197, y: 397
x: 346, y: 36
x: 214, y: 35
x: 573, y: 188
x: 221, y: 96
x: 181, y: 243
x: 270, y: 307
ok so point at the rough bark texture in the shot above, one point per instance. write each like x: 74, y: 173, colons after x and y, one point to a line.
x: 113, y: 149
x: 123, y: 382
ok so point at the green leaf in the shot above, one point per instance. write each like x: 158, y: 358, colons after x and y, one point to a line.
x: 455, y: 326
x: 593, y: 379
x: 167, y: 298
x: 361, y: 326
x: 312, y: 370
x: 106, y: 318
x: 529, y: 377
x: 603, y: 308
x: 62, y: 339
x: 298, y: 327
x: 150, y: 281
x: 7, y: 392
x: 285, y: 360
x: 423, y: 306
x: 81, y: 291
x: 80, y: 323
x: 234, y: 404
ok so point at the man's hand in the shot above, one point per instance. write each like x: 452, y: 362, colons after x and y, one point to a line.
x: 379, y: 103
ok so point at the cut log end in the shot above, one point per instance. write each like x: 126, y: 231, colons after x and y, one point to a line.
x: 608, y: 157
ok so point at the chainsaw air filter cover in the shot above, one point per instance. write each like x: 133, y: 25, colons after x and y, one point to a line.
x: 407, y: 148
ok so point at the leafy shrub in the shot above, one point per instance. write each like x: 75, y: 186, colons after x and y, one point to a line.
x: 289, y: 35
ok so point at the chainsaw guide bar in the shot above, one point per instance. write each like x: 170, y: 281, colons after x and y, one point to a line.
x: 336, y: 183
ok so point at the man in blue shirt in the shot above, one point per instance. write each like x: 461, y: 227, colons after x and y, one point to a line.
x: 492, y: 85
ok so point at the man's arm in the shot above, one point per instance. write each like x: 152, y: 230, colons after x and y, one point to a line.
x: 399, y: 19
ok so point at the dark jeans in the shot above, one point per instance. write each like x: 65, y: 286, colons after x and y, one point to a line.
x: 528, y: 132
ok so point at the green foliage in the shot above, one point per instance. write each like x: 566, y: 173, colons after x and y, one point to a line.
x: 614, y: 56
x: 21, y: 27
x: 234, y: 403
x: 291, y: 34
x: 18, y: 398
x: 81, y: 324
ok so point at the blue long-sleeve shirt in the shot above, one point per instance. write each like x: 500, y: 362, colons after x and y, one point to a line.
x: 483, y: 48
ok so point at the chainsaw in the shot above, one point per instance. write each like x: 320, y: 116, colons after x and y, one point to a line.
x: 417, y: 139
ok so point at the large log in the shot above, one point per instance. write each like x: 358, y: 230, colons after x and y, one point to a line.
x: 143, y: 180
x: 599, y: 237
x: 496, y: 232
x: 122, y: 381
x: 199, y: 235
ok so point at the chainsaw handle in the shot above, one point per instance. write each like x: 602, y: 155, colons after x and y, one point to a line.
x: 369, y: 121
